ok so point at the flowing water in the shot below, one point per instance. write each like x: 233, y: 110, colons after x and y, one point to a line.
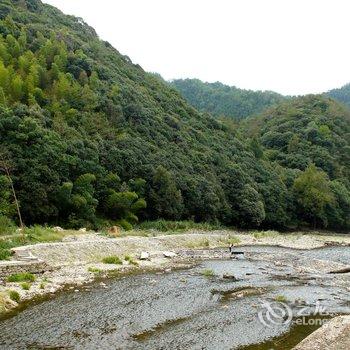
x: 188, y: 309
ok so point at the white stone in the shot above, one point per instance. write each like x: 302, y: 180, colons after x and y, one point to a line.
x: 169, y: 254
x: 82, y: 229
x: 144, y: 256
x: 58, y: 229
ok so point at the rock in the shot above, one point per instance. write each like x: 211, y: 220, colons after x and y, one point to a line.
x: 144, y: 256
x: 82, y: 229
x: 229, y: 277
x: 114, y: 231
x: 333, y: 335
x: 169, y: 254
x: 58, y: 229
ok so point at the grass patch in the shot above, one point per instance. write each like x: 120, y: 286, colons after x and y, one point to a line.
x: 177, y: 226
x: 230, y: 240
x: 265, y: 234
x: 4, y: 302
x: 208, y: 273
x: 42, y: 285
x: 10, y: 242
x: 281, y: 298
x: 30, y: 235
x: 201, y: 243
x: 94, y: 270
x: 112, y: 260
x: 21, y: 277
x: 130, y: 260
x: 14, y: 295
x: 25, y: 285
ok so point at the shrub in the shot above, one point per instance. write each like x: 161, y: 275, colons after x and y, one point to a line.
x: 14, y: 295
x: 21, y: 277
x: 124, y: 224
x: 112, y: 260
x: 5, y: 254
x: 7, y: 227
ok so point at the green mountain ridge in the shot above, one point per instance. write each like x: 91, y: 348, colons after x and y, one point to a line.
x: 342, y: 94
x: 223, y: 100
x: 91, y: 139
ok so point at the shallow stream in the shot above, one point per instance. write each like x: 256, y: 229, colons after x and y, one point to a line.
x: 215, y: 305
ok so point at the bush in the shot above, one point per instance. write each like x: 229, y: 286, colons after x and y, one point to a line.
x: 124, y: 224
x: 14, y: 296
x: 21, y: 277
x: 5, y: 254
x: 112, y: 260
x: 7, y: 227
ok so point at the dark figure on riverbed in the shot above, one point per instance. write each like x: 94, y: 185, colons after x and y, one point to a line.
x: 233, y: 253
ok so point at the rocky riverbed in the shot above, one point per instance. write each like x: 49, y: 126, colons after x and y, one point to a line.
x: 278, y: 271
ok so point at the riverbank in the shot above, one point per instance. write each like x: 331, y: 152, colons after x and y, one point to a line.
x: 218, y: 303
x: 82, y: 258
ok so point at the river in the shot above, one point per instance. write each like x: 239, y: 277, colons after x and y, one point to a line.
x: 190, y: 309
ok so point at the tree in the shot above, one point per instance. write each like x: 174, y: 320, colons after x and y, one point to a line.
x: 313, y: 192
x: 6, y: 166
x: 165, y: 197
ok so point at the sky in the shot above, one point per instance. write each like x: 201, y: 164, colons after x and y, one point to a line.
x: 289, y: 46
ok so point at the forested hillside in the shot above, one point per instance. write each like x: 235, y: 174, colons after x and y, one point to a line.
x: 310, y: 130
x: 89, y: 139
x: 342, y: 94
x: 222, y: 100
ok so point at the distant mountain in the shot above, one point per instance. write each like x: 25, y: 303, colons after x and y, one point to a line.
x: 342, y: 94
x: 222, y: 100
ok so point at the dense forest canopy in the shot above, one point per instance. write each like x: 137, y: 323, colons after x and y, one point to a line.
x: 91, y: 139
x: 310, y: 134
x: 222, y: 100
x: 342, y: 94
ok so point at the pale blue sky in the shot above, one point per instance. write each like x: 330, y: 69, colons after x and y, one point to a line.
x: 289, y: 46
